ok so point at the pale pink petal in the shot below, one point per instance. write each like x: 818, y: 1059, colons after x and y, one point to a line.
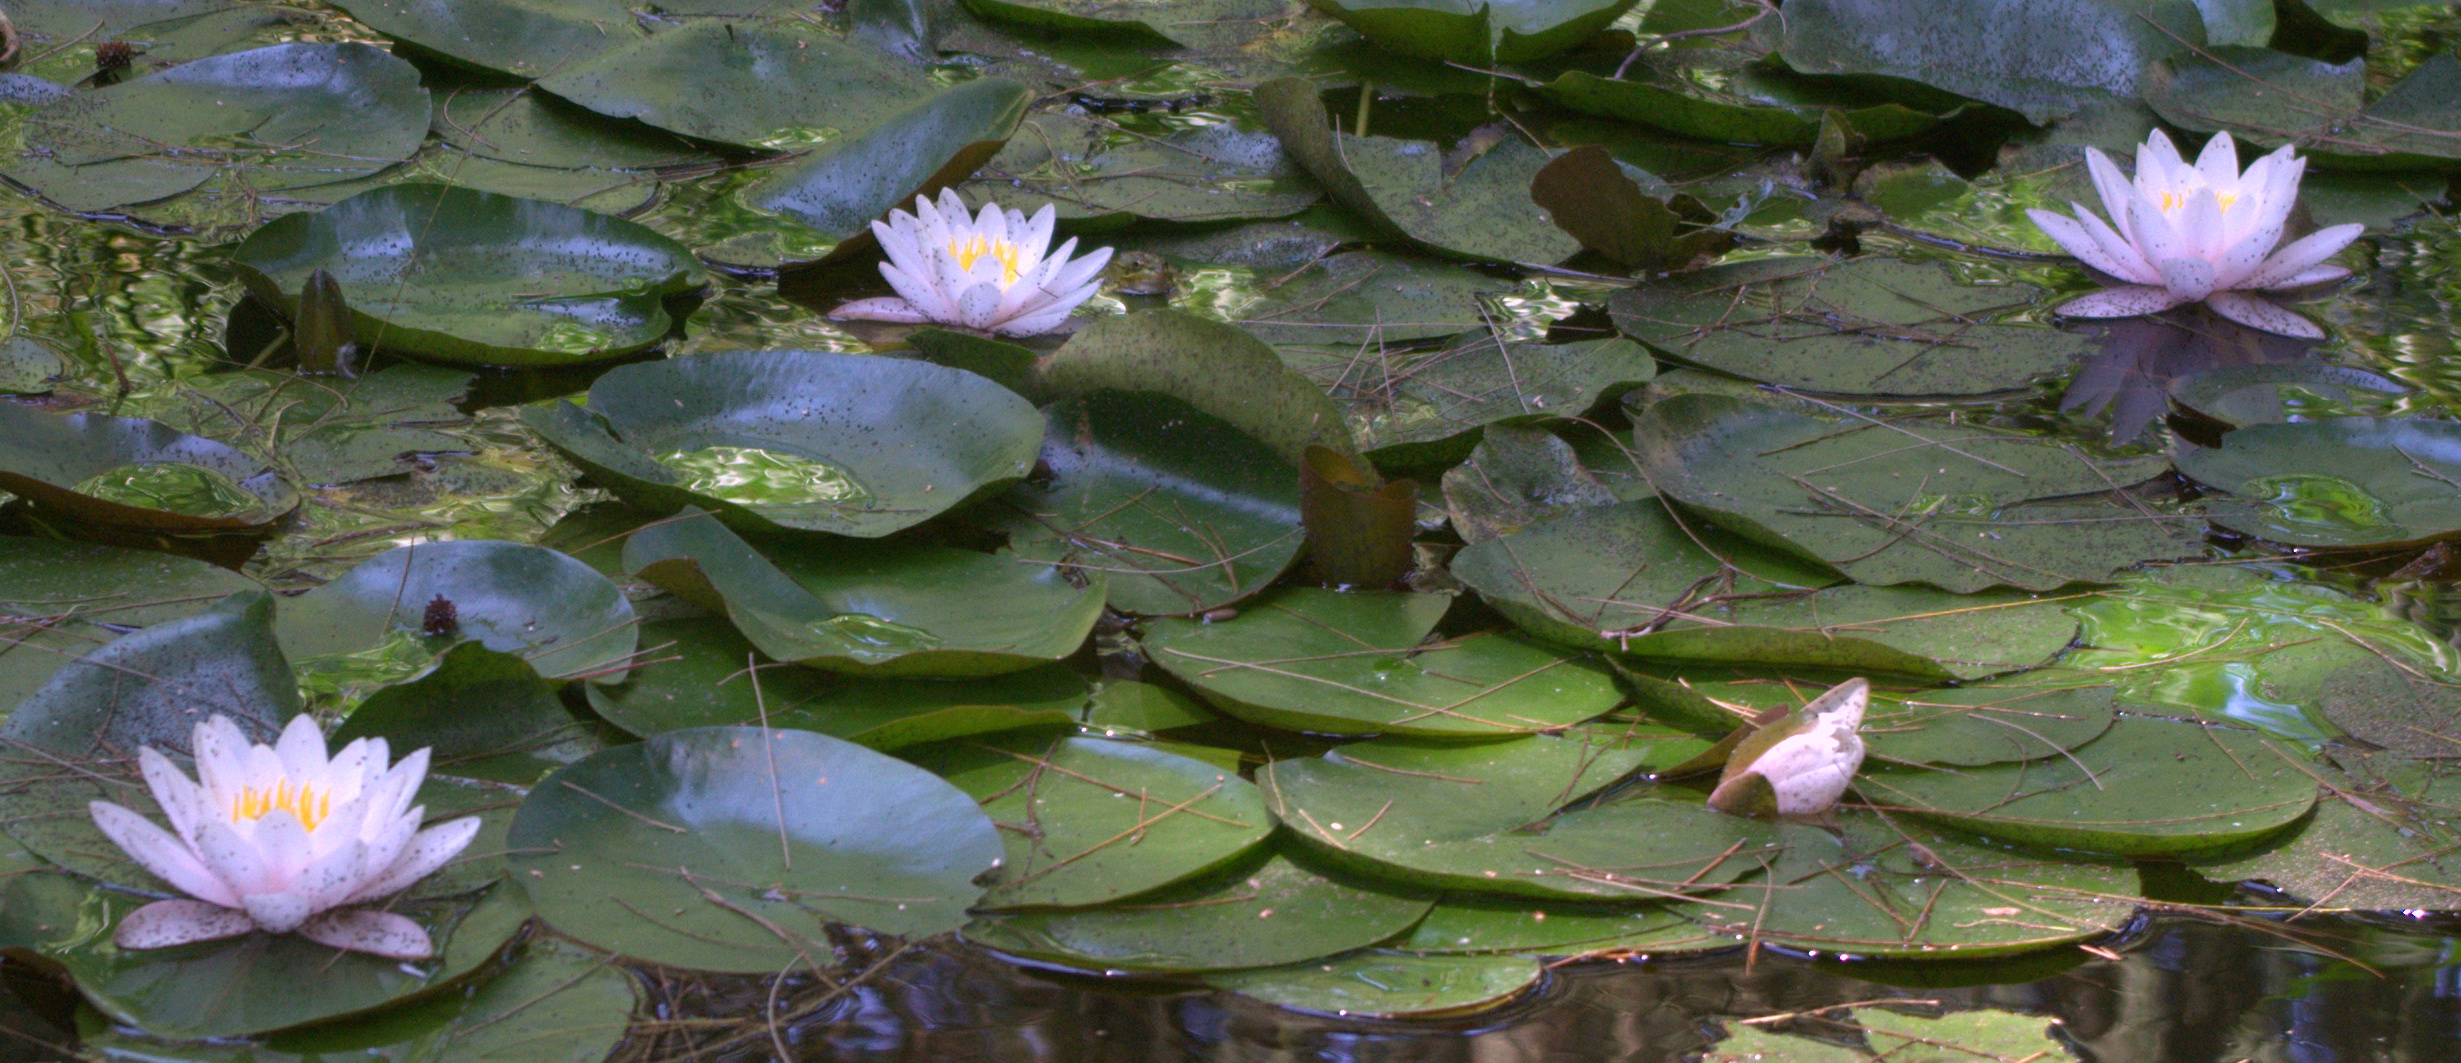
x: 163, y: 853
x: 2074, y: 239
x: 387, y: 934
x: 2262, y: 314
x: 2312, y: 276
x: 2200, y: 225
x: 221, y: 756
x: 182, y: 802
x: 234, y: 860
x: 918, y: 291
x: 282, y: 842
x: 2125, y: 301
x: 430, y: 849
x: 301, y: 749
x: 2232, y: 266
x: 2308, y: 250
x: 1050, y: 317
x: 1035, y: 241
x: 163, y: 924
x: 2218, y: 164
x: 2116, y: 192
x: 885, y: 308
x: 2153, y: 234
x: 330, y: 878
x: 978, y: 306
x: 277, y: 913
x: 2117, y: 247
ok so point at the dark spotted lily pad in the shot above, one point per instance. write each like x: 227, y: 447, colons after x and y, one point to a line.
x: 1867, y: 326
x: 2341, y: 481
x: 733, y: 848
x: 1219, y: 369
x: 1390, y: 985
x: 1408, y: 406
x: 284, y: 117
x: 478, y: 278
x: 872, y: 608
x: 1205, y: 25
x: 1367, y: 298
x: 135, y: 473
x: 60, y: 600
x: 1273, y: 664
x: 1481, y: 33
x: 759, y: 85
x: 1091, y: 820
x: 523, y: 38
x: 806, y: 440
x: 2268, y: 99
x: 1713, y: 99
x: 1093, y: 168
x: 2240, y: 395
x: 552, y: 611
x: 1898, y: 502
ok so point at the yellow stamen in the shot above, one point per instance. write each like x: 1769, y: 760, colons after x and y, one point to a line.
x: 304, y: 803
x: 967, y: 251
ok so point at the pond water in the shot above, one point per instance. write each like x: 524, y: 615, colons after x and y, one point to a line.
x: 2234, y: 660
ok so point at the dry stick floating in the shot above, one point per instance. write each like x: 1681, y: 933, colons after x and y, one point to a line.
x: 769, y: 748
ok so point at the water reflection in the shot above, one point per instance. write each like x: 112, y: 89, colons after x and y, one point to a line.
x: 2131, y: 375
x: 2327, y: 990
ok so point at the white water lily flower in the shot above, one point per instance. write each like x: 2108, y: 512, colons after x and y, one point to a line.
x: 987, y: 272
x: 2179, y: 234
x: 1807, y: 758
x: 281, y: 838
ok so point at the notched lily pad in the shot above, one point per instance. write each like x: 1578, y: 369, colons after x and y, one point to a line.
x: 805, y: 440
x: 478, y: 278
x: 2336, y: 482
x: 135, y: 473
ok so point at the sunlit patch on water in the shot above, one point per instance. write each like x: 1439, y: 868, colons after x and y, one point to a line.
x: 2321, y: 501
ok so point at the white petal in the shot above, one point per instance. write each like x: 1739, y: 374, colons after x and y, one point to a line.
x: 2308, y: 250
x: 2116, y: 192
x: 885, y: 308
x: 2312, y: 276
x: 221, y: 756
x: 385, y: 934
x: 301, y: 749
x: 282, y: 842
x: 978, y: 306
x: 159, y: 851
x: 2126, y: 301
x: 2237, y: 260
x: 2219, y: 162
x: 2076, y: 240
x: 920, y: 292
x: 1035, y: 241
x: 1049, y: 317
x: 2200, y: 227
x: 278, y: 913
x: 1080, y: 270
x: 2262, y: 314
x: 430, y: 849
x: 2188, y: 278
x: 233, y: 859
x: 332, y: 877
x: 163, y: 924
x: 2154, y: 235
x: 2117, y: 247
x: 182, y: 802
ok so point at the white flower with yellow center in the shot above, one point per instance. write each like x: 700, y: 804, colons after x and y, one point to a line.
x: 2181, y: 234
x: 280, y: 838
x: 988, y: 272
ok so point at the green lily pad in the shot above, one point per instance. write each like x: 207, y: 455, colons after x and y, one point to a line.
x: 2395, y: 708
x: 60, y: 600
x: 2041, y: 59
x: 478, y: 278
x: 1142, y: 708
x: 841, y: 443
x: 523, y: 38
x: 2237, y: 396
x: 1214, y: 367
x: 759, y: 85
x: 485, y: 715
x: 1360, y: 298
x: 2336, y: 482
x: 1506, y: 817
x: 873, y: 608
x: 1261, y: 912
x: 1734, y: 103
x: 1952, y: 1038
x: 1091, y: 820
x: 135, y: 473
x: 26, y: 366
x: 1471, y: 203
x: 1480, y: 33
x: 2145, y: 787
x: 1273, y: 665
x: 554, y: 612
x: 526, y: 127
x: 266, y: 119
x: 1899, y: 502
x: 1988, y: 723
x: 709, y: 684
x: 266, y: 982
x: 1517, y: 477
x: 1382, y: 984
x: 1098, y: 169
x: 1408, y: 406
x: 1202, y: 25
x: 2365, y: 851
x: 1180, y: 511
x: 2268, y: 99
x: 1866, y: 326
x: 733, y: 848
x: 1488, y: 923
x: 815, y: 203
x: 332, y: 432
x: 1630, y: 578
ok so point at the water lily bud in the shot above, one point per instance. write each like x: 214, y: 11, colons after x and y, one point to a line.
x: 987, y: 272
x: 1799, y: 765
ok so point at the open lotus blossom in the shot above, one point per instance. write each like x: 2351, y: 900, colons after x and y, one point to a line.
x: 2180, y: 233
x: 1807, y: 758
x: 987, y: 272
x: 281, y: 838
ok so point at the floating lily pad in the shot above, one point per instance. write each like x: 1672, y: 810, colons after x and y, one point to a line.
x: 1740, y: 104
x: 2396, y: 708
x: 1490, y: 923
x: 2145, y: 787
x: 1629, y: 578
x: 1988, y: 723
x: 1367, y: 298
x: 1204, y: 25
x: 1407, y: 406
x: 758, y: 85
x: 873, y: 608
x: 1898, y: 502
x: 2341, y: 481
x: 1093, y: 168
x: 1482, y: 33
x: 60, y: 600
x: 1867, y: 326
x: 1264, y: 911
x: 1180, y: 511
x: 1090, y: 820
x: 1470, y: 203
x: 540, y: 605
x: 840, y: 443
x: 1390, y: 985
x: 264, y: 982
x: 1142, y: 708
x: 1214, y: 367
x: 2366, y: 851
x: 1274, y: 665
x: 478, y: 278
x: 1517, y: 477
x: 482, y: 713
x: 26, y: 366
x: 131, y: 472
x: 334, y: 431
x: 271, y: 119
x: 2240, y: 395
x: 710, y: 685
x: 524, y: 38
x: 733, y: 848
x: 2269, y: 98
x: 1506, y: 817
